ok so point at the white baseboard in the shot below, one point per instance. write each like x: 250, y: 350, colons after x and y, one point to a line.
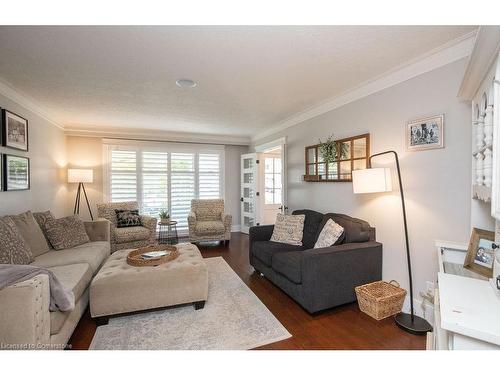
x: 236, y: 228
x: 427, y: 313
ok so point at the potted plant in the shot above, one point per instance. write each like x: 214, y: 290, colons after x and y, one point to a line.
x: 164, y: 217
x: 329, y: 150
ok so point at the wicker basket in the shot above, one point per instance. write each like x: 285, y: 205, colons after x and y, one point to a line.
x: 380, y: 299
x: 134, y: 257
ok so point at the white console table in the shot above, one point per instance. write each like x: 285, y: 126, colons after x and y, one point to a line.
x: 467, y: 309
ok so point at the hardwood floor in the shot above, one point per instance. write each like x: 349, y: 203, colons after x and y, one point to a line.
x: 344, y: 327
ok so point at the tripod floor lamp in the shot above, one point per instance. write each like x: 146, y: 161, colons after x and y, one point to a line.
x: 81, y: 176
x: 376, y: 180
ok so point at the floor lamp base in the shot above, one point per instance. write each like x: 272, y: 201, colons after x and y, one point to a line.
x: 415, y: 326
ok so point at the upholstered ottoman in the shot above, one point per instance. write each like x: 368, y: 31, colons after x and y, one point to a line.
x: 119, y: 288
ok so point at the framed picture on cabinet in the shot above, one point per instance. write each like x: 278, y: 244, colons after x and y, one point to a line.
x: 16, y: 173
x: 481, y: 252
x: 425, y: 133
x: 14, y: 131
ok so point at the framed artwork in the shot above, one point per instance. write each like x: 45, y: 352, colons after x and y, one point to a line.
x: 14, y: 131
x: 481, y: 252
x: 16, y: 173
x: 1, y: 172
x: 425, y: 133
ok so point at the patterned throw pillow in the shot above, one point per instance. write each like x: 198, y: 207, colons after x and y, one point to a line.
x: 13, y: 248
x: 41, y: 218
x: 289, y: 229
x: 66, y: 232
x: 330, y: 233
x: 128, y: 218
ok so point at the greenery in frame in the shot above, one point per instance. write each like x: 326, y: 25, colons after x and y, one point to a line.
x: 330, y: 148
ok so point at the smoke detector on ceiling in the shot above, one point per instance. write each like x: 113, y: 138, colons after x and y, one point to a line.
x: 184, y: 82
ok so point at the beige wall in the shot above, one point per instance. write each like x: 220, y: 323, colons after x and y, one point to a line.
x: 436, y: 182
x: 47, y: 146
x: 88, y: 153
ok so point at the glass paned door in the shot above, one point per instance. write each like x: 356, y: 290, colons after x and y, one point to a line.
x: 249, y: 193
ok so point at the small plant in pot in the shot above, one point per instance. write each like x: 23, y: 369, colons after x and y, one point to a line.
x: 330, y: 150
x: 164, y: 217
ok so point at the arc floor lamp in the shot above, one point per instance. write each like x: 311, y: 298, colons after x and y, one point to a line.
x: 376, y: 180
x: 81, y: 176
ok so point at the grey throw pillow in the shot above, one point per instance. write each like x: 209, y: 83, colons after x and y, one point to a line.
x: 66, y: 232
x: 13, y: 248
x: 128, y: 218
x: 41, y: 218
x: 31, y: 232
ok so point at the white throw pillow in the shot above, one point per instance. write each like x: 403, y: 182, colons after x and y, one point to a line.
x: 289, y: 229
x: 330, y: 233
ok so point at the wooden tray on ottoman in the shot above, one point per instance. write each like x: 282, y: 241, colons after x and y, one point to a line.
x: 134, y: 258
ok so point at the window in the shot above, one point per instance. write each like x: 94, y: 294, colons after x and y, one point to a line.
x: 354, y: 153
x: 164, y: 177
x: 272, y: 180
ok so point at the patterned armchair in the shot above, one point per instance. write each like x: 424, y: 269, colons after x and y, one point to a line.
x: 129, y: 237
x: 208, y: 222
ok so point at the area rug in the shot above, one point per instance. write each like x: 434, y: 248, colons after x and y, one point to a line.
x: 233, y: 318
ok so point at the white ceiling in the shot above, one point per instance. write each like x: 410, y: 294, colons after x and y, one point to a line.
x: 249, y: 78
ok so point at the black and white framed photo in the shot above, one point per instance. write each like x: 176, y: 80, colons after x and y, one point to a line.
x: 425, y: 133
x: 16, y: 173
x: 14, y: 131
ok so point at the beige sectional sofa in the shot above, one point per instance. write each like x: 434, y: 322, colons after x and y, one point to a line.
x: 25, y: 319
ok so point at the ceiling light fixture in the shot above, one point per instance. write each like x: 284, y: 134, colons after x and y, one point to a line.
x: 184, y: 82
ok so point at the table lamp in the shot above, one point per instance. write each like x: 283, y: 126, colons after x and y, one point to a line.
x: 377, y: 180
x: 81, y: 176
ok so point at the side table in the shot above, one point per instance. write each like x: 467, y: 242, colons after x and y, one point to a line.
x: 167, y: 233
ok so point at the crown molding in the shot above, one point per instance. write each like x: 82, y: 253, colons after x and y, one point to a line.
x: 7, y: 90
x: 486, y: 49
x: 155, y: 135
x: 443, y: 55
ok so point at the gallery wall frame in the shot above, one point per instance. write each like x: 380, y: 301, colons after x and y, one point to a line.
x: 424, y: 133
x: 16, y: 173
x: 15, y: 131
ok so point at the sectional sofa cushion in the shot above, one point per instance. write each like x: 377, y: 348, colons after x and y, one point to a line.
x: 288, y: 265
x: 31, y: 233
x: 288, y: 229
x: 92, y: 253
x: 265, y: 250
x: 41, y: 218
x: 13, y: 248
x: 66, y: 232
x: 329, y: 235
x: 311, y: 226
x: 128, y: 218
x: 74, y: 277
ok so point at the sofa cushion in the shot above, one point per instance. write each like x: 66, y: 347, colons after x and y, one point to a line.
x: 288, y: 229
x: 13, y: 248
x: 131, y: 234
x: 265, y: 250
x: 31, y: 233
x: 355, y: 230
x: 288, y: 264
x: 311, y: 226
x: 209, y: 227
x: 329, y: 235
x: 66, y: 232
x: 92, y: 253
x: 74, y: 277
x: 41, y: 218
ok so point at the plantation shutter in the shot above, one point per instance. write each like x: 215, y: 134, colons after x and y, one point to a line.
x: 154, y: 182
x: 209, y: 176
x: 182, y: 186
x: 123, y: 176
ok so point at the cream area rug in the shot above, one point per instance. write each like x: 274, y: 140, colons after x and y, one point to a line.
x: 233, y: 318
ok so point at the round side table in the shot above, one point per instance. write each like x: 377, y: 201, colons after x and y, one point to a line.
x: 167, y: 233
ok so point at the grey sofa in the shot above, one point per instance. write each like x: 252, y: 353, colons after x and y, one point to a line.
x: 321, y: 278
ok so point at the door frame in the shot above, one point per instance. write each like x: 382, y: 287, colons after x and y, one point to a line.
x: 279, y: 142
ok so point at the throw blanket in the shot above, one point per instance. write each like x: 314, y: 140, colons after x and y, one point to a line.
x: 60, y: 298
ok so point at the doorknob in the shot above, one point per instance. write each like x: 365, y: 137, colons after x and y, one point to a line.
x: 241, y: 199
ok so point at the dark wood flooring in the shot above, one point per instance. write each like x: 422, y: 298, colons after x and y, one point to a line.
x: 344, y: 327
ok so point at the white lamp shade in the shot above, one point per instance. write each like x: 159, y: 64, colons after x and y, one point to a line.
x: 80, y: 175
x: 371, y: 180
